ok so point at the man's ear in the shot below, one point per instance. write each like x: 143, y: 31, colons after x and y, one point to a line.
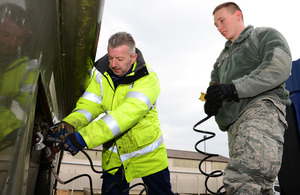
x: 134, y: 57
x: 239, y: 15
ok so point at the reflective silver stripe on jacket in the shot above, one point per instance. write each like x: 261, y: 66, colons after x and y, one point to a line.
x: 30, y: 69
x: 27, y: 88
x: 113, y: 149
x: 98, y: 77
x: 140, y: 96
x: 153, y: 106
x: 143, y: 151
x: 112, y: 124
x: 92, y: 97
x: 86, y: 113
x: 130, y: 86
x: 32, y: 65
x: 18, y: 111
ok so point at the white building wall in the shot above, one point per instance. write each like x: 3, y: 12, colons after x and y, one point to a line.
x: 185, y: 175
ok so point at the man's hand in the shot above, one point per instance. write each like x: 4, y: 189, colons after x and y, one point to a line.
x: 61, y: 130
x: 220, y: 92
x: 74, y: 143
x: 216, y: 94
x: 212, y: 109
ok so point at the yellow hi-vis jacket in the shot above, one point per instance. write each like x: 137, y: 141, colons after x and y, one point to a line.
x: 130, y: 130
x: 17, y: 81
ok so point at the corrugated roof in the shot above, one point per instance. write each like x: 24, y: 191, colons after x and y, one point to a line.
x: 193, y: 155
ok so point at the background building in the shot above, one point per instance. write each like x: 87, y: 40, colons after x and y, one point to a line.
x: 184, y: 169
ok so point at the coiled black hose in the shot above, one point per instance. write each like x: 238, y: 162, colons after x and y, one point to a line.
x: 216, y: 173
x: 145, y: 189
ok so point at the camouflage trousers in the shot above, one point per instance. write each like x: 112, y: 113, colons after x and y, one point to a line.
x: 255, y: 149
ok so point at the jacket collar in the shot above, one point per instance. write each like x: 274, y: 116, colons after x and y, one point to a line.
x: 244, y: 34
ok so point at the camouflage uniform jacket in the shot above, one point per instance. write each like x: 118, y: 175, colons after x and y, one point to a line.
x: 258, y: 63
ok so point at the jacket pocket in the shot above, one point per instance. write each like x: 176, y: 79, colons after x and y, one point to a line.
x: 144, y: 134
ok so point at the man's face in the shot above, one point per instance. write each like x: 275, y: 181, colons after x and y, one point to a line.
x: 11, y: 36
x: 226, y: 23
x: 120, y: 60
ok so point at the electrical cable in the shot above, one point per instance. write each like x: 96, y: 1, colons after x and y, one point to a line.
x: 216, y: 173
x: 58, y: 169
x: 123, y: 173
x: 145, y: 189
x: 73, y: 178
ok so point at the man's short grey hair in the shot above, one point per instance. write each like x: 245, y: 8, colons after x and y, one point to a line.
x: 122, y: 38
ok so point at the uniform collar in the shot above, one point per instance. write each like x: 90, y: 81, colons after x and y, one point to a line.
x: 244, y: 34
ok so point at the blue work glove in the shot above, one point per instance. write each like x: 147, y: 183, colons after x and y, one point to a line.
x: 74, y: 142
x: 220, y: 92
x: 61, y: 130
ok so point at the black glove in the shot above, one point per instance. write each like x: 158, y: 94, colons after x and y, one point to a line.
x: 220, y: 92
x: 212, y: 109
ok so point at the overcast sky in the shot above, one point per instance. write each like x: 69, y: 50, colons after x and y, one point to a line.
x: 179, y: 41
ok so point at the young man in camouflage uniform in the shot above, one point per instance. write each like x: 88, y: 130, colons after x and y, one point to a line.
x: 247, y: 95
